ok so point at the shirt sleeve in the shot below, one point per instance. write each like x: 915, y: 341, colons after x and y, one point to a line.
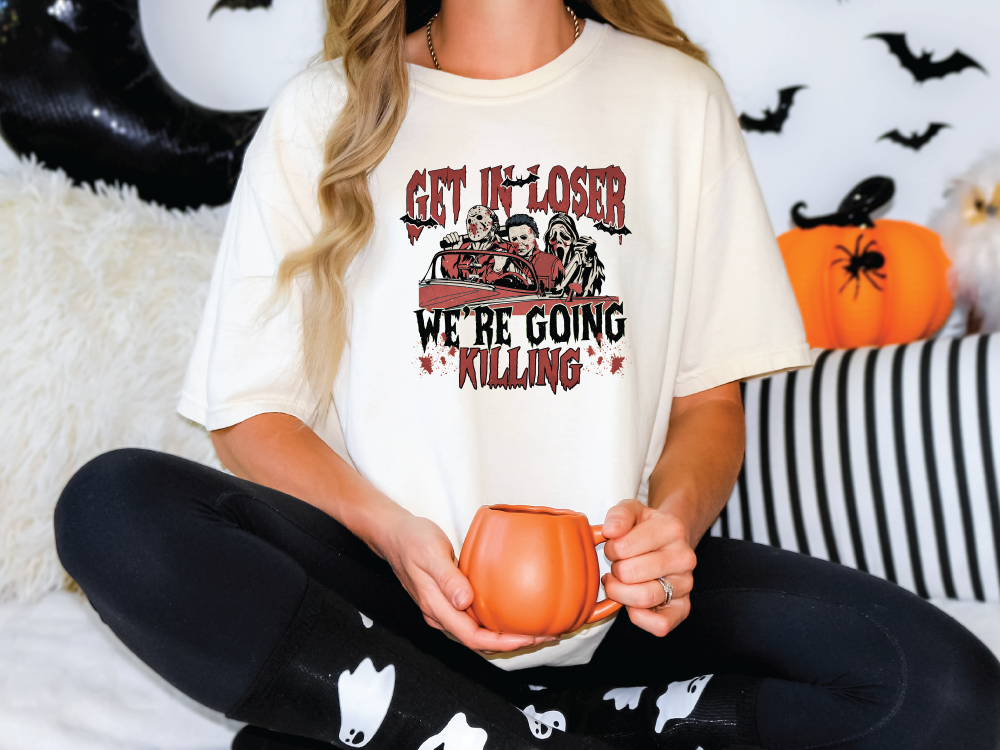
x: 247, y: 357
x: 245, y: 361
x: 742, y: 319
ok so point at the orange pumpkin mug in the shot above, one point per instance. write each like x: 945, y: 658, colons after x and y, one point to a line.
x: 533, y: 570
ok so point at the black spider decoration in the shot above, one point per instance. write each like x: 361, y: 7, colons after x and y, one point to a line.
x: 862, y: 261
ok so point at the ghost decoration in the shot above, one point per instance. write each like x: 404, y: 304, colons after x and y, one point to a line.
x: 79, y: 90
x: 542, y: 724
x: 457, y: 735
x: 680, y: 700
x: 364, y: 696
x: 624, y: 697
x: 969, y: 226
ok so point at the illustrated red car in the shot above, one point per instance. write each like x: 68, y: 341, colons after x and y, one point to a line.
x: 458, y: 279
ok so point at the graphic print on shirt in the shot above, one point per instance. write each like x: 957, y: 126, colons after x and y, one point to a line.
x: 679, y: 700
x: 364, y: 696
x: 504, y: 303
x: 625, y: 697
x: 542, y: 724
x: 457, y: 735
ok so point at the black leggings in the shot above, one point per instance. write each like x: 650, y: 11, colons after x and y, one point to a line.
x: 202, y: 575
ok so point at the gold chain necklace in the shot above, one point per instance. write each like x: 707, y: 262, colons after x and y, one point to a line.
x: 434, y: 57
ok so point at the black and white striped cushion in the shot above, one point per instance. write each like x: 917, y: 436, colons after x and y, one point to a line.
x: 883, y: 459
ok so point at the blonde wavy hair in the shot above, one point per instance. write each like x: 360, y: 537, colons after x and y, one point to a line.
x: 368, y: 36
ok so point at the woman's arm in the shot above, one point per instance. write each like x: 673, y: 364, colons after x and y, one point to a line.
x: 700, y: 460
x: 688, y: 488
x: 279, y: 451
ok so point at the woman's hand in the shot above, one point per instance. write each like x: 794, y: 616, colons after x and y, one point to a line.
x: 643, y: 545
x: 424, y: 561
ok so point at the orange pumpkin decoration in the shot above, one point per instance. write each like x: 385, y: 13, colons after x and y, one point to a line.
x: 861, y: 282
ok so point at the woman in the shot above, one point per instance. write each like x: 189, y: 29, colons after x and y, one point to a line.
x: 315, y: 594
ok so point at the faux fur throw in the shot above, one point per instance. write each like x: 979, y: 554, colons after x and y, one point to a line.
x: 101, y: 294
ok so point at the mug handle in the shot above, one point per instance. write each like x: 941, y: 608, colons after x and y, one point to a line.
x: 605, y: 607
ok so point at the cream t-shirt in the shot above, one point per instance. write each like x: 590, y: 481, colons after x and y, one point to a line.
x: 528, y: 364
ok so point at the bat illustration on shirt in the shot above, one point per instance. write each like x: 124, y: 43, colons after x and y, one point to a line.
x: 772, y: 121
x: 923, y: 68
x: 612, y: 229
x: 519, y: 181
x: 236, y: 4
x: 916, y: 141
x: 428, y: 222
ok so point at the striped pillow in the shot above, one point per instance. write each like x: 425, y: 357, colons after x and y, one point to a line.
x: 883, y: 459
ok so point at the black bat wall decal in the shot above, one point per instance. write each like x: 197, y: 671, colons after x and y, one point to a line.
x: 428, y: 222
x: 772, y: 122
x: 923, y: 68
x: 519, y: 181
x: 610, y: 229
x: 237, y: 4
x: 916, y: 141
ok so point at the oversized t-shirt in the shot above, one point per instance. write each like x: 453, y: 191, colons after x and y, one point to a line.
x: 479, y: 371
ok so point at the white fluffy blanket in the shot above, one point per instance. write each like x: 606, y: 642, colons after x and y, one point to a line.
x: 100, y: 298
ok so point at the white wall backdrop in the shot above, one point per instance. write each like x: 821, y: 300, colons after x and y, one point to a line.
x: 856, y: 90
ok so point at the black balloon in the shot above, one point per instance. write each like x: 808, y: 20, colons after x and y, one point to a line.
x: 79, y: 89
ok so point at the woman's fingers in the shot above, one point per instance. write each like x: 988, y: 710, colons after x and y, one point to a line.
x: 444, y: 600
x: 621, y: 518
x: 466, y: 630
x: 661, y: 620
x: 676, y: 560
x: 653, y: 530
x: 450, y: 580
x: 647, y: 594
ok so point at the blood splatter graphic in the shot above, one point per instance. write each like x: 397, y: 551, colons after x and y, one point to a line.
x: 437, y: 360
x: 600, y: 361
x: 590, y: 351
x: 616, y: 364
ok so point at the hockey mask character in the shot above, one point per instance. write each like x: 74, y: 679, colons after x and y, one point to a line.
x: 480, y: 224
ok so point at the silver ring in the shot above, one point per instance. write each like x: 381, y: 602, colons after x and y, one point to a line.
x: 668, y: 590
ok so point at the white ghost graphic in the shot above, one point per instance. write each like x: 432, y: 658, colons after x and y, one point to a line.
x: 680, y: 699
x: 364, y: 700
x: 537, y: 687
x: 366, y: 621
x: 624, y: 697
x: 543, y: 724
x: 458, y: 735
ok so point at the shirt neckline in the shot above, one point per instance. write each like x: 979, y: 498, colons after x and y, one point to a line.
x: 504, y: 88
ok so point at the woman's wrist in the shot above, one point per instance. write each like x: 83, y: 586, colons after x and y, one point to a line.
x: 375, y: 519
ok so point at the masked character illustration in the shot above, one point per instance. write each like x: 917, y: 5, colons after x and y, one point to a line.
x: 481, y: 241
x: 584, y: 271
x: 522, y: 238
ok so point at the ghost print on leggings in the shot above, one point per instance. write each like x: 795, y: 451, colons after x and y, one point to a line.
x: 457, y: 735
x: 680, y: 700
x: 542, y: 724
x: 364, y: 696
